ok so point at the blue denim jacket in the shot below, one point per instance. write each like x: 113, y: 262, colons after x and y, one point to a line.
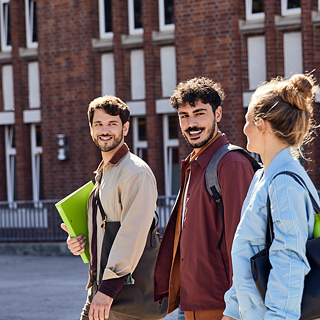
x: 293, y: 221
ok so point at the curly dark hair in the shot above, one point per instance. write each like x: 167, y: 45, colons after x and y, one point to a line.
x: 203, y: 89
x: 111, y: 105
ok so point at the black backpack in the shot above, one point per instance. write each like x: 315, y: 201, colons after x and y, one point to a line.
x: 211, y: 177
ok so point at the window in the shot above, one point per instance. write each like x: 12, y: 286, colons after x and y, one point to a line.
x: 34, y: 85
x: 135, y: 16
x: 168, y: 70
x: 31, y: 23
x: 107, y: 74
x: 140, y: 143
x: 171, y: 154
x: 11, y: 163
x: 105, y: 16
x: 292, y: 47
x: 5, y: 25
x: 36, y: 161
x: 256, y: 61
x: 289, y: 7
x: 137, y: 75
x: 254, y: 9
x: 7, y: 87
x: 166, y: 15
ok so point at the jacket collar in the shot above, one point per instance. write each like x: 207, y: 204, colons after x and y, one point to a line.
x: 117, y: 157
x: 204, y: 158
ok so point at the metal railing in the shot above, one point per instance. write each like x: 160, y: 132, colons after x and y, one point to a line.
x: 29, y: 221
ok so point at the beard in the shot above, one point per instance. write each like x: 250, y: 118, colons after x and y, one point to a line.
x: 202, y: 143
x: 104, y: 147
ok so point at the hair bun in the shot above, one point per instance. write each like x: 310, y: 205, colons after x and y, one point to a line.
x: 299, y: 90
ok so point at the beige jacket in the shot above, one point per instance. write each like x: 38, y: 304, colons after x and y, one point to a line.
x: 128, y: 193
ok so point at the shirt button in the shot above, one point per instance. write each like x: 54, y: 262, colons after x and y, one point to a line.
x: 182, y: 259
x: 194, y: 163
x: 184, y: 226
x: 184, y: 292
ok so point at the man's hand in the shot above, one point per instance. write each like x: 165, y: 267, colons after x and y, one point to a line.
x: 227, y: 318
x: 100, y: 307
x: 76, y: 245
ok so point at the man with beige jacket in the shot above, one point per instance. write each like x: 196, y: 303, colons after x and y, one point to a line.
x: 127, y: 189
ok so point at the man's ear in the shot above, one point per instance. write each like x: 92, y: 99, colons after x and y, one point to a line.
x: 126, y: 128
x: 218, y: 114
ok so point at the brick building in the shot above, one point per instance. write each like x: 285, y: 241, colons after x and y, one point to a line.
x: 58, y: 55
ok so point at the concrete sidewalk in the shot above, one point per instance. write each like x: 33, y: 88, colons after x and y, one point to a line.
x: 43, y: 287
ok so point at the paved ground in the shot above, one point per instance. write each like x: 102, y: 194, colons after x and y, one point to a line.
x: 43, y: 288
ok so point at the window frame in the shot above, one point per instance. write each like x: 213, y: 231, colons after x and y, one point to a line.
x: 4, y: 27
x: 102, y: 24
x: 288, y: 12
x: 168, y: 145
x: 36, y: 154
x: 29, y: 25
x: 250, y: 15
x: 138, y: 145
x: 11, y: 153
x: 162, y: 25
x: 132, y: 29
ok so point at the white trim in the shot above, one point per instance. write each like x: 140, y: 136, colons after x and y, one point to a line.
x: 162, y: 25
x: 29, y: 24
x: 107, y: 74
x: 7, y: 118
x: 163, y: 106
x: 285, y: 11
x: 168, y: 70
x: 4, y: 26
x: 138, y: 84
x: 8, y: 87
x: 102, y: 22
x: 250, y: 15
x: 10, y: 162
x: 34, y: 84
x: 31, y: 116
x: 246, y: 98
x: 132, y: 29
x: 318, y: 5
x: 168, y: 144
x: 137, y: 108
x: 36, y: 152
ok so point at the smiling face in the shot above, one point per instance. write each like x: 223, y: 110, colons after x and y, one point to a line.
x: 199, y: 123
x: 107, y: 131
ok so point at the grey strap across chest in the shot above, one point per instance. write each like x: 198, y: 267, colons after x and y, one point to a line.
x: 211, y: 177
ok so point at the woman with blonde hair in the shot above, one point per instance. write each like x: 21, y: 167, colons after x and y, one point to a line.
x: 279, y: 120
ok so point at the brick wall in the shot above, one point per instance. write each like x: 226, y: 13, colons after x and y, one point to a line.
x: 67, y: 76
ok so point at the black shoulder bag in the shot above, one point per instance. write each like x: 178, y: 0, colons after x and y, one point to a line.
x: 134, y: 300
x: 260, y: 264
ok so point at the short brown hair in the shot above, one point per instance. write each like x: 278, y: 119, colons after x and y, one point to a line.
x: 288, y: 106
x: 111, y: 105
x: 203, y: 89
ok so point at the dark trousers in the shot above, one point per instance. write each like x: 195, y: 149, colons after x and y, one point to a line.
x: 112, y: 315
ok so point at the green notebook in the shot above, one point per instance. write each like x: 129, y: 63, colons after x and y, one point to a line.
x: 73, y: 211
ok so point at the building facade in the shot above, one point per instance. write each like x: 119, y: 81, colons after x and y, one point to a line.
x: 58, y: 55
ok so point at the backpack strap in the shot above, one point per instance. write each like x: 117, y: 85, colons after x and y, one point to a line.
x: 211, y: 177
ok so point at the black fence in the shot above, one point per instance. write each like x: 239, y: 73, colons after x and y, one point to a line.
x: 28, y: 221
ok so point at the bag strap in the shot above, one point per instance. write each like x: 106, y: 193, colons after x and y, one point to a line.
x: 154, y: 225
x: 211, y: 177
x: 269, y: 230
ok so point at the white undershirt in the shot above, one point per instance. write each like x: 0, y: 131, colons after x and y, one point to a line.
x: 184, y: 200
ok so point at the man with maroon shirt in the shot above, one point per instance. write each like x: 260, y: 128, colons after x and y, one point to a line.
x: 190, y: 268
x: 127, y: 189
